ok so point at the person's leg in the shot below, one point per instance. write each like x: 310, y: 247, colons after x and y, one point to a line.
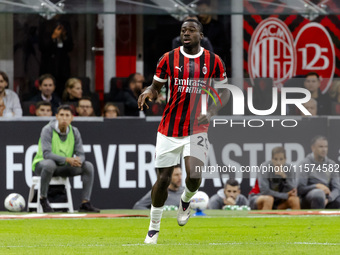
x: 252, y: 201
x: 316, y: 199
x: 192, y: 183
x: 87, y: 176
x: 334, y: 204
x: 291, y: 202
x: 159, y: 194
x: 294, y: 203
x: 168, y: 150
x: 45, y: 169
x: 264, y: 202
x: 193, y: 179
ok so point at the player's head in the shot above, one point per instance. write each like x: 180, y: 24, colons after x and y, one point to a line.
x: 191, y: 33
x: 43, y: 108
x: 278, y: 156
x: 176, y: 178
x: 47, y: 84
x: 311, y: 106
x: 312, y: 82
x: 319, y: 147
x: 204, y: 11
x: 4, y: 82
x: 85, y: 107
x: 64, y: 116
x: 232, y: 188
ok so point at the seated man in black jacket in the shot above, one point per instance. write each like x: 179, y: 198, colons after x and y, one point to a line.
x: 131, y: 93
x: 47, y: 87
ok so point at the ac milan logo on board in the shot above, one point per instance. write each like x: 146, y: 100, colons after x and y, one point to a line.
x: 272, y: 52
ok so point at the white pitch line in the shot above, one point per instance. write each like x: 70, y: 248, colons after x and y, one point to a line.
x: 44, y: 246
x: 316, y: 243
x: 236, y: 243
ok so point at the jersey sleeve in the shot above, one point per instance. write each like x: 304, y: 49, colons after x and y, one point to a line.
x: 162, y: 68
x: 220, y: 74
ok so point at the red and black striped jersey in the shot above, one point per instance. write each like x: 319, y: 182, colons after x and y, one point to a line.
x: 188, y: 77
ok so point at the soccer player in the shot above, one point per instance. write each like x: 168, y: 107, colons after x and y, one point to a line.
x: 183, y: 129
x: 61, y: 153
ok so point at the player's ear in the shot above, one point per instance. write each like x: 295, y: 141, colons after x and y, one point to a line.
x: 201, y: 35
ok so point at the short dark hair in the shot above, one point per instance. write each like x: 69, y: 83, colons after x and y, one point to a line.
x: 40, y: 103
x: 65, y: 107
x: 277, y: 150
x: 5, y: 77
x: 131, y: 78
x: 313, y: 74
x: 107, y: 105
x: 200, y: 26
x: 177, y: 166
x: 46, y: 76
x: 232, y: 182
x: 318, y: 137
x: 85, y: 98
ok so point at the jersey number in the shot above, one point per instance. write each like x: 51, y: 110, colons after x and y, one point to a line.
x: 202, y: 140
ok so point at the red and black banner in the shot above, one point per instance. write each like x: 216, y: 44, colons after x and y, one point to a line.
x: 285, y: 46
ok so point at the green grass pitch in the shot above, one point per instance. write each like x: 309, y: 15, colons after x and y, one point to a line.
x: 220, y: 232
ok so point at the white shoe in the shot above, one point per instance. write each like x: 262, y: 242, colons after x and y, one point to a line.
x: 151, y: 239
x: 183, y: 215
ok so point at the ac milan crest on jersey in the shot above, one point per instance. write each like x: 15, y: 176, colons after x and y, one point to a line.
x: 188, y: 77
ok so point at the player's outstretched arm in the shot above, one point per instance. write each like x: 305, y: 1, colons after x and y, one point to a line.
x: 150, y: 93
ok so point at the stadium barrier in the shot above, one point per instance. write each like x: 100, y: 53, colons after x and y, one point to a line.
x: 122, y: 151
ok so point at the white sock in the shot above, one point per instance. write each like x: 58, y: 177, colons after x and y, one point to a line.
x: 155, y: 218
x: 187, y: 195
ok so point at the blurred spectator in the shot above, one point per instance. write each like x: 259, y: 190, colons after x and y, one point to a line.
x: 175, y: 191
x: 275, y: 188
x: 43, y: 108
x: 131, y: 93
x: 312, y: 83
x: 73, y: 91
x: 319, y: 183
x: 84, y: 107
x: 9, y: 100
x: 55, y: 42
x: 110, y: 111
x: 212, y: 29
x: 230, y: 195
x: 47, y: 87
x: 205, y: 42
x: 335, y: 91
x: 311, y: 106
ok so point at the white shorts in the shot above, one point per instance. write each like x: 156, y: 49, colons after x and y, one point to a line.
x: 169, y: 149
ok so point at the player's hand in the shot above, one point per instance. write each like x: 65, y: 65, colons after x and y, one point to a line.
x: 74, y: 162
x: 205, y: 119
x: 324, y: 188
x: 292, y: 193
x: 229, y: 201
x: 146, y: 95
x: 326, y: 201
x: 57, y: 32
